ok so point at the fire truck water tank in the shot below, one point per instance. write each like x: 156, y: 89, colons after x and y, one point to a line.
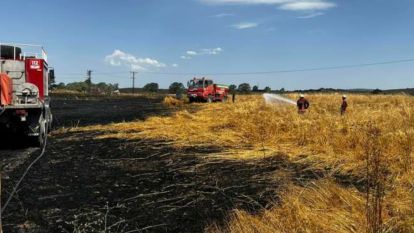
x: 36, y: 73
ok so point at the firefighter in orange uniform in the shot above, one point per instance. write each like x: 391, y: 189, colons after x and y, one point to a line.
x: 303, y: 104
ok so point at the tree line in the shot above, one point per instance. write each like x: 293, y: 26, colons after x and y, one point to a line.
x: 175, y: 87
x: 87, y: 87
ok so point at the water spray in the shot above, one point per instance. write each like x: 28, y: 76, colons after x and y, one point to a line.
x: 277, y: 99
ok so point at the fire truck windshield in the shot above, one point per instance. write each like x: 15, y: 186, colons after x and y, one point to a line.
x: 197, y: 83
x: 200, y: 83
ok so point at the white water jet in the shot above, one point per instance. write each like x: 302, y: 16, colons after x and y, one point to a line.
x: 277, y: 99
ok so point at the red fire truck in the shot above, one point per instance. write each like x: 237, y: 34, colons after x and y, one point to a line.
x: 204, y: 90
x: 24, y: 91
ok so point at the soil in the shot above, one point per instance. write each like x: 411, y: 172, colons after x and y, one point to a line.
x: 85, y: 184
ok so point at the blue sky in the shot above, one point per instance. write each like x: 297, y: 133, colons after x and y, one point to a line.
x: 196, y: 37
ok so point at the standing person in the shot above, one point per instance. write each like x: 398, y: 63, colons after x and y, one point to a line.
x: 233, y: 97
x: 303, y: 104
x: 344, y: 105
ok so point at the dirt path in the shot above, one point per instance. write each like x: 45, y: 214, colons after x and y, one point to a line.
x: 85, y: 184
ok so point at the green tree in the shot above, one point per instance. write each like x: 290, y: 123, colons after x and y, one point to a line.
x: 101, y: 87
x: 232, y: 88
x: 282, y: 90
x: 151, y: 87
x: 59, y: 85
x: 176, y: 87
x: 116, y: 86
x: 244, y: 88
x: 98, y: 88
x: 255, y: 88
x: 377, y: 91
x: 78, y: 86
x: 267, y: 89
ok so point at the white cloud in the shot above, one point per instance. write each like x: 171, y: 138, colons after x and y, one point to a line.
x: 313, y: 15
x: 214, y: 51
x: 245, y: 2
x: 290, y: 5
x: 222, y: 15
x: 174, y: 65
x: 185, y: 57
x: 191, y: 53
x: 245, y: 25
x: 120, y: 58
x: 307, y: 5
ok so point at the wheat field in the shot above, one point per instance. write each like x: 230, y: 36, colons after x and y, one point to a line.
x: 365, y: 157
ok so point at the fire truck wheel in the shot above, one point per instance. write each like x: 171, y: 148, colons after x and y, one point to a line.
x: 191, y: 100
x: 38, y: 141
x: 7, y: 51
x: 210, y: 99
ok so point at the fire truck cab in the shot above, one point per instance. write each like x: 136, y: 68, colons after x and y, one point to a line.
x: 24, y: 91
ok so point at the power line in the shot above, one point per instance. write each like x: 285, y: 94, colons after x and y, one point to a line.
x: 296, y: 70
x: 270, y: 72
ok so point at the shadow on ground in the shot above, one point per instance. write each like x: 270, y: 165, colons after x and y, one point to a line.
x: 93, y: 184
x: 10, y: 141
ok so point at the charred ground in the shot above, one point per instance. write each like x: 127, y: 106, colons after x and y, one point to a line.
x: 85, y: 184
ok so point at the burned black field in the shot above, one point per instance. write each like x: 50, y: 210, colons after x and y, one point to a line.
x: 85, y: 184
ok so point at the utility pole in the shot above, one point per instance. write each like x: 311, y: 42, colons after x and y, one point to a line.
x: 133, y: 80
x: 89, y: 80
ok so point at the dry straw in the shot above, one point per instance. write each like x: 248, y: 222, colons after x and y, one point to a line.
x: 322, y: 139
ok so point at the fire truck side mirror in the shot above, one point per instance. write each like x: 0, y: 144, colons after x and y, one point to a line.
x: 52, y: 79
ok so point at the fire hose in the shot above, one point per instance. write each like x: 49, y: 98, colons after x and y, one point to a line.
x: 42, y: 152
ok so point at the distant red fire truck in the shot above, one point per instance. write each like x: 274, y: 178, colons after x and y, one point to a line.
x: 24, y: 91
x: 204, y: 90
